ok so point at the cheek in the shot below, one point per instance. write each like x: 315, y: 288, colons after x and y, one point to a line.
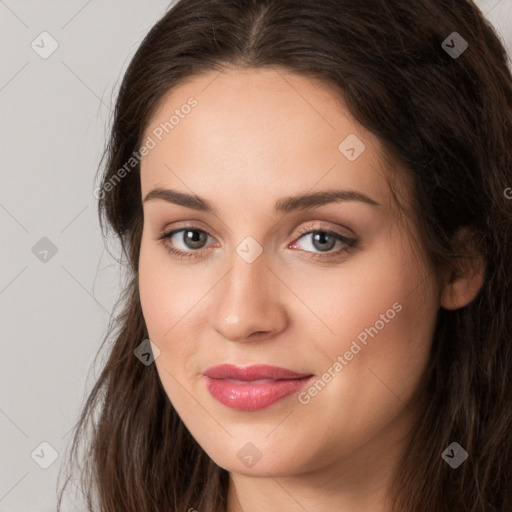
x: 170, y: 301
x: 383, y: 296
x: 383, y: 315
x: 168, y: 294
x: 154, y: 301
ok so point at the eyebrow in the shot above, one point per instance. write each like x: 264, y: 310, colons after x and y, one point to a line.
x: 283, y: 205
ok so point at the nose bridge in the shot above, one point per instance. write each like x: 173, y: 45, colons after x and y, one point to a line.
x: 247, y: 301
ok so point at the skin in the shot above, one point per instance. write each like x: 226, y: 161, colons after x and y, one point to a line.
x: 257, y: 136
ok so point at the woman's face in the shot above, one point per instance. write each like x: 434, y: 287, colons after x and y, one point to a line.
x: 350, y: 304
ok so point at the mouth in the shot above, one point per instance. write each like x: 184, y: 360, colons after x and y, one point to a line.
x: 254, y: 387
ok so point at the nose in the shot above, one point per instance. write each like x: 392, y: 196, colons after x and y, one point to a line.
x: 249, y: 305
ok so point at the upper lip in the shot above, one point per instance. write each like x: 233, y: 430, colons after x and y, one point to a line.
x: 255, y: 372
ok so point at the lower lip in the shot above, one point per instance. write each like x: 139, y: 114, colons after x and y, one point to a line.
x: 251, y: 397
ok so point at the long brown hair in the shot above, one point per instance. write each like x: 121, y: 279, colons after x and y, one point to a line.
x: 446, y: 119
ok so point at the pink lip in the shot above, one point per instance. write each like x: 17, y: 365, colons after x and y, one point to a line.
x: 227, y: 384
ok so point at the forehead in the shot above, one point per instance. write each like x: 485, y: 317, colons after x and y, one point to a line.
x: 259, y: 131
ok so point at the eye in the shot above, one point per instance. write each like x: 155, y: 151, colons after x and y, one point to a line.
x: 324, y: 240
x: 192, y: 240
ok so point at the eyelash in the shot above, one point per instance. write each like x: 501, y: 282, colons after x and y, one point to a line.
x: 178, y: 253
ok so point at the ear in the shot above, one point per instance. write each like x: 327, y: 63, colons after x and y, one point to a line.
x: 464, y: 283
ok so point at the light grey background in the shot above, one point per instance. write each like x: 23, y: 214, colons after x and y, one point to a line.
x: 55, y: 114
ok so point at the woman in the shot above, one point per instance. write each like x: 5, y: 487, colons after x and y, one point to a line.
x: 312, y: 198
